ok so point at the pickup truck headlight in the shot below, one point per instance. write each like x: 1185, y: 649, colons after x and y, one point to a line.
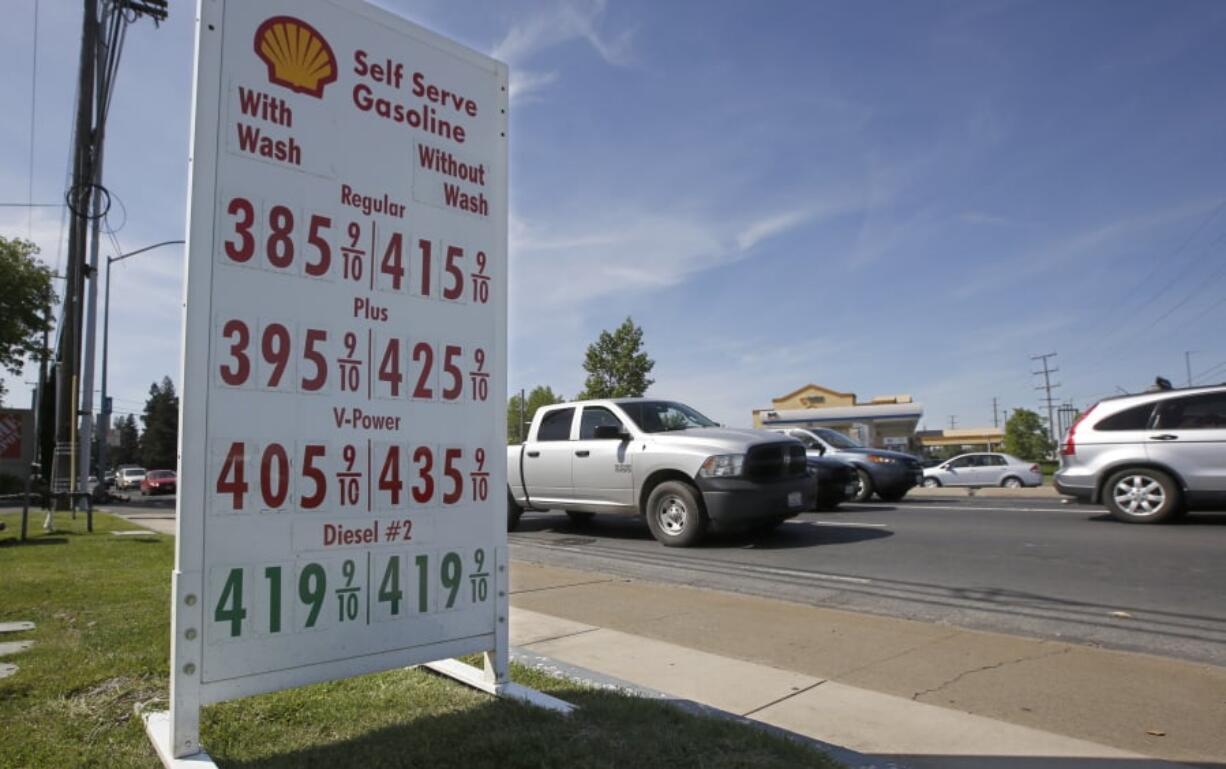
x: 877, y: 458
x: 722, y: 466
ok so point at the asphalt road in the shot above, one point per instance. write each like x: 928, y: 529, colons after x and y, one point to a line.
x: 1028, y: 567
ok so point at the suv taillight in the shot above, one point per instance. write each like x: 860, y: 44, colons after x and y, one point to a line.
x: 1070, y: 443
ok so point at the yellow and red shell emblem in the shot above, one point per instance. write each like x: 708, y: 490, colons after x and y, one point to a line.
x: 297, y: 56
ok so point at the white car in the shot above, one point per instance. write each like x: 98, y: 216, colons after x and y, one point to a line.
x: 984, y: 469
x: 129, y: 478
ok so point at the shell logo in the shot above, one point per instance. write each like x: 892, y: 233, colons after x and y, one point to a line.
x: 298, y: 57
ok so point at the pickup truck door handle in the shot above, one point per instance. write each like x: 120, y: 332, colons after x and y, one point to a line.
x: 534, y: 453
x: 582, y: 453
x: 1164, y: 437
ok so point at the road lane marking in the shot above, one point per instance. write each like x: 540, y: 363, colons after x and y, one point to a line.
x: 851, y: 524
x: 1088, y: 510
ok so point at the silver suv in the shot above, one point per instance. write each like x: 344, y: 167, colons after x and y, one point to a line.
x: 1150, y: 457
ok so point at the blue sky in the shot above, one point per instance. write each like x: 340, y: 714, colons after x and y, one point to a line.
x: 878, y: 197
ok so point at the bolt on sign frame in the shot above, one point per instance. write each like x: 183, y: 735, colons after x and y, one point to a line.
x: 344, y: 359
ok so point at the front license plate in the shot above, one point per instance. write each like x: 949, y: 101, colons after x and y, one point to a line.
x: 795, y: 499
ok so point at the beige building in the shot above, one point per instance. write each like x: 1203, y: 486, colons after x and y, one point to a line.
x: 962, y: 440
x: 884, y: 422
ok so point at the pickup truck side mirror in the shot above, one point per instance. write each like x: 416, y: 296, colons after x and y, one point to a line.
x: 610, y: 433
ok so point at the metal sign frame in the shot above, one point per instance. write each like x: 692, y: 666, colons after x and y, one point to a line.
x: 176, y: 734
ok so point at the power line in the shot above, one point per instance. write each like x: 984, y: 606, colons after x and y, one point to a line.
x: 1158, y: 266
x: 33, y: 112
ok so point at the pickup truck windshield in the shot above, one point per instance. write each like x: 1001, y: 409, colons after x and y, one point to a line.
x: 664, y: 416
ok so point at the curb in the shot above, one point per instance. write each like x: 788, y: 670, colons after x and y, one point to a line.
x: 850, y: 758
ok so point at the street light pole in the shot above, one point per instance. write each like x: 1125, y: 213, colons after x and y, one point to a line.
x: 104, y: 431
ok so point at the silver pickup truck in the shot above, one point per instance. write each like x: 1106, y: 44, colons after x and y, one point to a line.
x: 659, y: 459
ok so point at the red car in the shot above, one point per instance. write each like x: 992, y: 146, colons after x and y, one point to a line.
x: 159, y: 482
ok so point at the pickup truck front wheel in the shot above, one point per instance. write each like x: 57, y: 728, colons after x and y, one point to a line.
x: 675, y: 515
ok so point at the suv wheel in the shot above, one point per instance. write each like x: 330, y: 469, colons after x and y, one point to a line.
x: 675, y: 515
x: 864, y: 486
x: 1142, y: 495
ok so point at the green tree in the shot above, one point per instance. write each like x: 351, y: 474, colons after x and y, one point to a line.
x: 159, y: 442
x: 1026, y: 436
x: 616, y: 365
x: 541, y: 395
x: 128, y: 450
x: 25, y: 302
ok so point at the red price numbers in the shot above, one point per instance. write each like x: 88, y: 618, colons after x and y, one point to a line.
x: 272, y: 356
x: 439, y: 474
x: 276, y: 238
x: 452, y: 284
x: 427, y: 371
x: 250, y: 477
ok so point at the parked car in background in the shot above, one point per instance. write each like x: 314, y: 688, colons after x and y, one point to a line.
x: 129, y: 477
x: 1150, y: 457
x: 888, y: 474
x: 159, y: 482
x: 984, y: 469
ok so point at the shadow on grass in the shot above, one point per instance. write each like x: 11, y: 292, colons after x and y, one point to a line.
x: 609, y: 730
x: 16, y: 541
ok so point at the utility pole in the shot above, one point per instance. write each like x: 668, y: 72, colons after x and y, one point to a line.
x: 1047, y: 387
x: 953, y: 421
x: 78, y: 199
x: 1187, y: 362
x: 995, y: 413
x: 88, y: 202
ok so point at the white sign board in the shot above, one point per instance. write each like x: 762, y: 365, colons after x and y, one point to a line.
x: 341, y: 466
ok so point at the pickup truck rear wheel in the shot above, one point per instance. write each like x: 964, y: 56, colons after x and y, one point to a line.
x: 514, y: 512
x: 675, y: 515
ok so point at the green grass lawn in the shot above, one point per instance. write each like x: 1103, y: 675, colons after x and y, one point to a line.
x: 101, y: 604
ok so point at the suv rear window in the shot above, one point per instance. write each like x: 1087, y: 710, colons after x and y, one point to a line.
x: 1135, y: 418
x: 1199, y: 412
x: 555, y: 426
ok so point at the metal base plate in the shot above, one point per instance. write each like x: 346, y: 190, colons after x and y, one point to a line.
x: 476, y: 678
x: 157, y: 726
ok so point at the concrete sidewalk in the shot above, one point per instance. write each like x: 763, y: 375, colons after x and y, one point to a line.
x: 917, y: 694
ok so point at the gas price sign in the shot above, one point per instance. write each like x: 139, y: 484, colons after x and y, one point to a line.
x: 341, y: 504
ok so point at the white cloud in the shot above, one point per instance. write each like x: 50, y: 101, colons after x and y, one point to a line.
x: 769, y: 227
x: 559, y: 23
x: 525, y: 82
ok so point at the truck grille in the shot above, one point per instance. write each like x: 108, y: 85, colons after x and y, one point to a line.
x: 773, y: 461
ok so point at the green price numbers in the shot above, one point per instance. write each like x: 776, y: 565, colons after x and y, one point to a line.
x: 362, y: 587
